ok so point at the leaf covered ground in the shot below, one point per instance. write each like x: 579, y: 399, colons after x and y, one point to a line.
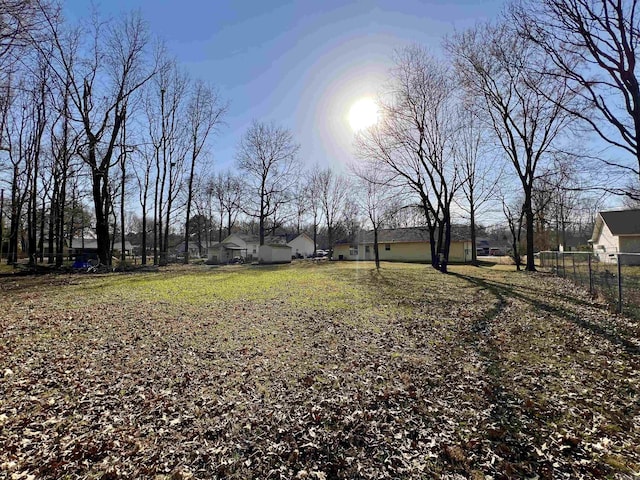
x: 315, y: 371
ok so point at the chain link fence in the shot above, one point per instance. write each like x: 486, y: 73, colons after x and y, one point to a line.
x: 612, y: 276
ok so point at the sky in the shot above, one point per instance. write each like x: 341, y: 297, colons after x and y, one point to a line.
x: 301, y: 64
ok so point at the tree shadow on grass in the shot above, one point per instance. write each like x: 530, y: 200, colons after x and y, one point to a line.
x: 500, y: 290
x: 506, y: 421
x: 515, y: 424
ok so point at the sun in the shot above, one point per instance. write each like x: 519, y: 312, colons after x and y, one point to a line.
x: 363, y: 114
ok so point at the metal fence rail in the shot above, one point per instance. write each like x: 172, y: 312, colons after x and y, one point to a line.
x: 613, y: 276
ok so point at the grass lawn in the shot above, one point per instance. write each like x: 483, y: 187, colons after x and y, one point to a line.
x: 316, y: 371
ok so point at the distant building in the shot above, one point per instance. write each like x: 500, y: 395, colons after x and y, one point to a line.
x: 301, y: 245
x: 247, y: 247
x: 616, y: 231
x: 404, y: 245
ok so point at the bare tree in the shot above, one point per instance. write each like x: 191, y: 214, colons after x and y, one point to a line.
x: 18, y: 132
x: 312, y: 196
x: 267, y: 154
x: 231, y: 193
x: 519, y: 104
x: 479, y: 176
x: 332, y: 192
x: 514, y: 214
x: 204, y: 115
x: 375, y: 199
x: 175, y: 145
x: 21, y: 22
x: 64, y: 141
x: 104, y: 65
x: 593, y: 45
x: 300, y: 202
x: 413, y: 141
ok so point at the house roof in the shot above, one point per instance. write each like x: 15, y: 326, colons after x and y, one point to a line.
x: 249, y: 238
x: 413, y: 234
x: 620, y: 222
x: 92, y: 244
x: 291, y: 237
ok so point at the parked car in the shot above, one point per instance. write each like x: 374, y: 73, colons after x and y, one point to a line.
x: 237, y: 260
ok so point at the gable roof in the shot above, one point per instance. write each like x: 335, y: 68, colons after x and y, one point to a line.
x: 622, y: 222
x: 291, y: 238
x: 459, y: 233
x: 250, y: 238
x: 92, y: 244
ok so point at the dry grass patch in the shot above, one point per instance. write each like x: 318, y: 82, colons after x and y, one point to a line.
x: 313, y: 370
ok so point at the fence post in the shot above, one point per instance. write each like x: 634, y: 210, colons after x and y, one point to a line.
x: 590, y: 279
x: 619, y: 284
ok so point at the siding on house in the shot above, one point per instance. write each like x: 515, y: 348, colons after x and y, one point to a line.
x: 629, y: 243
x: 614, y: 232
x: 606, y: 242
x: 302, y: 245
x: 401, y: 251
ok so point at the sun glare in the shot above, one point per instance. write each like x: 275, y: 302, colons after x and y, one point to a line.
x: 363, y: 114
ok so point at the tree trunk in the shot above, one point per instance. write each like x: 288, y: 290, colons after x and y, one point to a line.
x: 41, y: 239
x: 376, y: 250
x: 144, y: 232
x: 189, y: 199
x: 474, y: 242
x: 529, y: 219
x: 315, y: 234
x: 155, y: 210
x: 53, y: 219
x: 14, y: 224
x: 444, y: 260
x: 103, y: 237
x: 1, y: 221
x: 60, y: 219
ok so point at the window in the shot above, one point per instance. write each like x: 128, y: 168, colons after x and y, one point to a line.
x: 353, y: 250
x: 367, y: 249
x: 254, y: 250
x: 387, y: 246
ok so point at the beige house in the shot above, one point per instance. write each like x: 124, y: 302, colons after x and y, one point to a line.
x: 302, y: 245
x: 404, y: 245
x: 615, y: 232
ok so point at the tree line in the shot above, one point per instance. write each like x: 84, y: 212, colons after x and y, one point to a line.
x: 100, y: 126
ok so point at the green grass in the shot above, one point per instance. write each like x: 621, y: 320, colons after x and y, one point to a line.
x: 336, y: 368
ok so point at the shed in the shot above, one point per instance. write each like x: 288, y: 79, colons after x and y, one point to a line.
x: 274, y: 254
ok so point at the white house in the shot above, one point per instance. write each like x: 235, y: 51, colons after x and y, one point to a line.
x: 301, y: 245
x: 241, y: 245
x: 235, y: 245
x: 616, y: 231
